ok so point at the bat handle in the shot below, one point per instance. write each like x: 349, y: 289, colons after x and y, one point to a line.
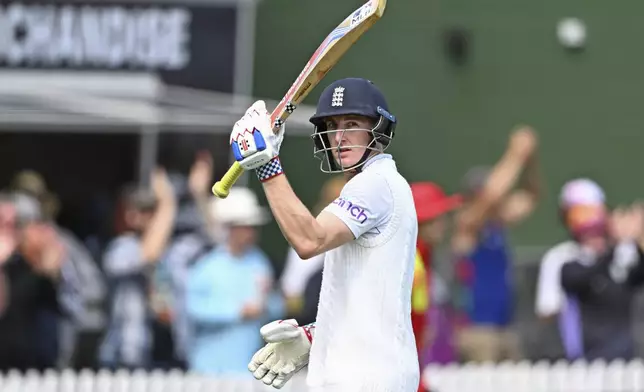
x: 222, y: 187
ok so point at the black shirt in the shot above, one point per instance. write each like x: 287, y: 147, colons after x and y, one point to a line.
x: 605, y: 290
x: 31, y: 300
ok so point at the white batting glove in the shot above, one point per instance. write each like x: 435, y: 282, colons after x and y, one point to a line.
x: 252, y: 139
x: 286, y: 353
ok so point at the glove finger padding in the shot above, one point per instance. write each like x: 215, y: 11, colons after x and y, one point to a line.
x: 266, y: 369
x: 270, y: 376
x: 284, y: 374
x: 256, y: 365
x: 280, y: 331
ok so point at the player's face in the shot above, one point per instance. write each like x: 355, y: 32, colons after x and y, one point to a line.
x: 349, y: 138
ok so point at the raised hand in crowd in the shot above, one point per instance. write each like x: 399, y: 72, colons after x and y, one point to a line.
x: 157, y: 232
x: 161, y: 186
x: 627, y: 223
x: 43, y: 249
x: 523, y: 142
x: 200, y: 182
x: 507, y: 193
x: 200, y: 177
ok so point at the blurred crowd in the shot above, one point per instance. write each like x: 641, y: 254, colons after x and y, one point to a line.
x: 183, y: 282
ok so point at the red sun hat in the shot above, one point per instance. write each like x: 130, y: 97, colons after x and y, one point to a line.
x: 431, y: 201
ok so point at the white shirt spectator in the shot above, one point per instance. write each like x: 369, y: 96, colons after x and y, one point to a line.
x: 550, y: 297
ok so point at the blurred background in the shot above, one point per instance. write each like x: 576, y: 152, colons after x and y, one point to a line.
x: 114, y: 124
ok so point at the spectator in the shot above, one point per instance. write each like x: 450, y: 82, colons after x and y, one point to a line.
x: 483, y: 268
x: 192, y: 236
x: 432, y: 204
x: 578, y: 195
x: 129, y: 260
x: 28, y: 324
x: 80, y: 331
x: 228, y: 290
x: 81, y: 291
x: 297, y: 272
x: 599, y: 276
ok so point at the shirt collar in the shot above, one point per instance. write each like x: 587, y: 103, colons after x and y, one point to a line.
x: 377, y: 158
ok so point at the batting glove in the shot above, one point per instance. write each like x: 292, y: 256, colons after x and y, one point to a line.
x: 285, y: 354
x: 252, y: 139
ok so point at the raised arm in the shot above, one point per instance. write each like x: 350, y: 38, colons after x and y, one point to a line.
x: 309, y: 236
x: 496, y: 189
x: 520, y: 204
x: 156, y: 235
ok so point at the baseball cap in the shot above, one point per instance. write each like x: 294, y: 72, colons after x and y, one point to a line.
x: 581, y: 191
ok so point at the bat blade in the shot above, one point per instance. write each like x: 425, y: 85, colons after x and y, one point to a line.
x: 334, y: 46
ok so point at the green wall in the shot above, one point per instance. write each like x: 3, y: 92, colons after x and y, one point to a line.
x: 587, y: 106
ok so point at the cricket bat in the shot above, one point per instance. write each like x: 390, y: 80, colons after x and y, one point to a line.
x: 325, y: 57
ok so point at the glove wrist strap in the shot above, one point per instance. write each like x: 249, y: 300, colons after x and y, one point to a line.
x: 309, y: 331
x: 269, y: 170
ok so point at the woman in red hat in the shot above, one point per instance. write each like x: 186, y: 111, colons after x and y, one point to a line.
x: 431, y: 206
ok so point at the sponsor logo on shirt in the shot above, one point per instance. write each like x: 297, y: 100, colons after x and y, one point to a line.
x: 353, y: 209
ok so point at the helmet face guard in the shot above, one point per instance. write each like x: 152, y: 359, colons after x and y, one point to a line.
x: 357, y: 97
x: 381, y: 136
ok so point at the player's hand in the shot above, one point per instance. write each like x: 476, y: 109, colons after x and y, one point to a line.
x: 286, y: 353
x: 252, y: 140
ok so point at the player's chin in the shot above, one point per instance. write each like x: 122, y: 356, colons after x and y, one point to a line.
x: 347, y: 159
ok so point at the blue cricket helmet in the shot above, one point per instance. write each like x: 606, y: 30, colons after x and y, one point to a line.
x: 352, y: 96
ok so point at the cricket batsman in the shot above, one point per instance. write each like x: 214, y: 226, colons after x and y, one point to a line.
x: 362, y: 339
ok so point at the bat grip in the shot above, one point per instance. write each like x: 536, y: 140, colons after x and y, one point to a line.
x: 222, y: 187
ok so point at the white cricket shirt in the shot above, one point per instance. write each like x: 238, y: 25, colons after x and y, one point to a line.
x: 550, y: 298
x: 364, y: 339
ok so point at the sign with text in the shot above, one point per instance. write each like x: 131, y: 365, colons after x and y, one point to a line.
x: 188, y: 46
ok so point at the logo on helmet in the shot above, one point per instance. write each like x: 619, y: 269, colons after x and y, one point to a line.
x: 338, y: 96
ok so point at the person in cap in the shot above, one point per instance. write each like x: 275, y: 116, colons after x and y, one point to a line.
x: 228, y: 290
x: 432, y: 206
x: 492, y: 202
x: 147, y: 220
x: 30, y: 276
x: 33, y: 184
x: 362, y: 338
x: 588, y: 282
